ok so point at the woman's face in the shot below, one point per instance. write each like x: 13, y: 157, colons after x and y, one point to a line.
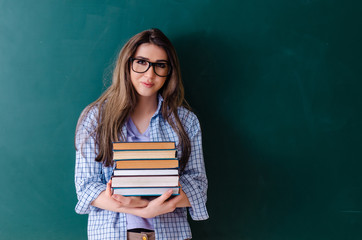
x: 148, y: 83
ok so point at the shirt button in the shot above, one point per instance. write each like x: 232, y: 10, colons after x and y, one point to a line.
x: 144, y: 238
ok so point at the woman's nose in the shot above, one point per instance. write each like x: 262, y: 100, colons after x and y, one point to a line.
x: 150, y: 72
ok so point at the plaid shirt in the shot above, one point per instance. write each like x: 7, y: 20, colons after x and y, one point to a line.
x: 91, y: 178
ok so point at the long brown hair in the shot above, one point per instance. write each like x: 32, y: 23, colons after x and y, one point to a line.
x: 119, y: 100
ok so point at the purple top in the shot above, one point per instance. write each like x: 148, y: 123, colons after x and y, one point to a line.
x: 133, y: 135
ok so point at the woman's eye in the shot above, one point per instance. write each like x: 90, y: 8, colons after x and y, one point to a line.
x: 141, y: 62
x: 161, y: 65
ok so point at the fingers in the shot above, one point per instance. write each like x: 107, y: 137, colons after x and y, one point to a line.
x: 122, y: 199
x: 136, y: 202
x: 164, y: 196
x: 141, y: 202
x: 125, y: 201
x: 109, y: 188
x: 175, y: 200
x: 130, y: 201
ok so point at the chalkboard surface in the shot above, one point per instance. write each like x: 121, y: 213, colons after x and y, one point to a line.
x: 275, y: 84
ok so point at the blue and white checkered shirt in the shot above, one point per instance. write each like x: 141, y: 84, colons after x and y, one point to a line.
x: 91, y: 178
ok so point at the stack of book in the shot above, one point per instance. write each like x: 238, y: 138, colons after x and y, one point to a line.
x: 145, y: 168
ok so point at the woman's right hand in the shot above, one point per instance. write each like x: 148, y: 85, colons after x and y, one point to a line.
x: 131, y: 202
x: 117, y: 203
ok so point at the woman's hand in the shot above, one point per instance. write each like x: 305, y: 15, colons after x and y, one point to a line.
x: 132, y: 202
x: 158, y: 206
x: 117, y: 203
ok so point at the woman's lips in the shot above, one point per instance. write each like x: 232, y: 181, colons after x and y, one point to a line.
x: 148, y: 85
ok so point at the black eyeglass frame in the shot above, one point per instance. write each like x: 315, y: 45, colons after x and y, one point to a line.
x: 131, y: 59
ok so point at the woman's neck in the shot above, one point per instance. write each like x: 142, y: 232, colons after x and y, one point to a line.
x: 144, y: 110
x: 146, y: 105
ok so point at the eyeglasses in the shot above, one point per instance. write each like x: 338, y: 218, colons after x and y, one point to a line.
x: 139, y: 65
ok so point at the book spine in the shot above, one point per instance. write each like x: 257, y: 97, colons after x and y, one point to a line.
x: 147, y: 164
x: 145, y: 159
x: 143, y: 145
x: 144, y: 150
x: 144, y: 154
x: 145, y: 181
x: 145, y: 172
x: 144, y: 191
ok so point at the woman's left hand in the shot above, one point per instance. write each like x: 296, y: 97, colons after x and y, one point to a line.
x: 161, y: 205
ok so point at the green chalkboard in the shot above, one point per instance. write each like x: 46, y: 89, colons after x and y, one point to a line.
x: 275, y: 84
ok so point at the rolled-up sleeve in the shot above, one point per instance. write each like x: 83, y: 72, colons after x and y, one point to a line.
x: 193, y: 180
x: 89, y: 182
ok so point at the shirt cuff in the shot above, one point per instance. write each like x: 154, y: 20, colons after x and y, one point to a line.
x: 88, y: 196
x: 197, y: 200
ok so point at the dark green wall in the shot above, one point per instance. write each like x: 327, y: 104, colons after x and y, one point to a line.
x: 276, y: 85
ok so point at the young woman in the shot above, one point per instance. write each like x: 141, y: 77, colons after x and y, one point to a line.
x: 144, y: 103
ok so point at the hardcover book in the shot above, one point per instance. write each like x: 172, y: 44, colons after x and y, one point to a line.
x: 145, y: 191
x: 145, y: 181
x: 144, y: 154
x: 144, y: 172
x: 147, y: 163
x: 143, y: 145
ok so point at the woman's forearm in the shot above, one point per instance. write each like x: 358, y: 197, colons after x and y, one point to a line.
x: 138, y: 206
